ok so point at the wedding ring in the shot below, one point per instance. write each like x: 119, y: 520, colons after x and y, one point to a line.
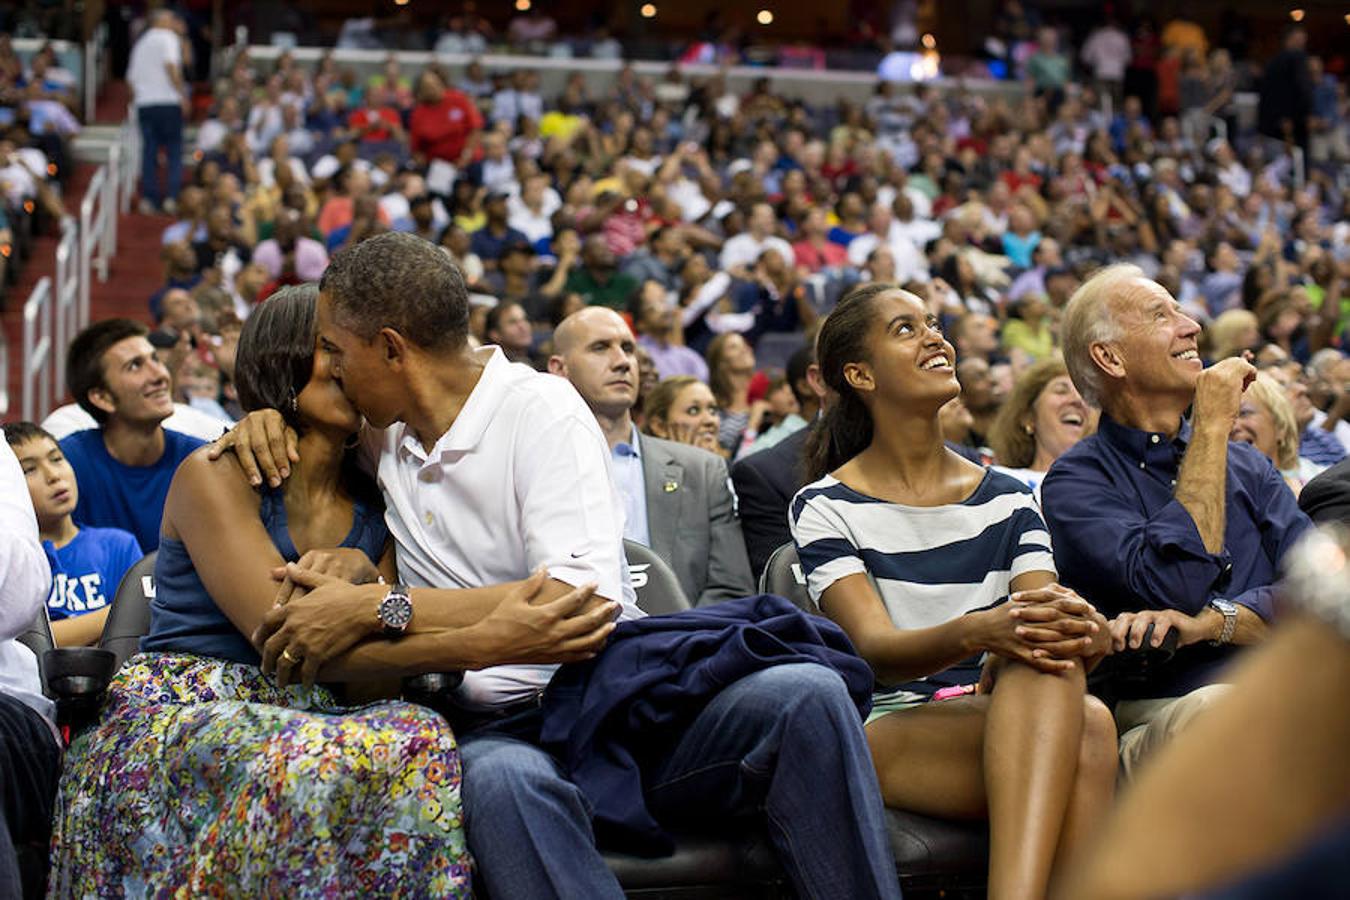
x: 289, y: 657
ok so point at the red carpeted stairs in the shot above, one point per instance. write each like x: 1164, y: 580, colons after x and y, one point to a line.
x: 134, y: 271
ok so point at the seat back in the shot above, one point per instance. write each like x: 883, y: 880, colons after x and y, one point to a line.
x: 783, y: 576
x: 658, y: 590
x: 38, y: 638
x: 129, y: 617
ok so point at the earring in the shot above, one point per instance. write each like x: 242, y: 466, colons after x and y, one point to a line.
x: 1029, y: 430
x: 295, y: 407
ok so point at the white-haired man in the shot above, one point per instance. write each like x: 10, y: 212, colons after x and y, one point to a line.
x: 1160, y: 520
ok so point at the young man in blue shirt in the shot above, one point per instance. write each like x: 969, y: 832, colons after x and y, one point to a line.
x: 87, y: 563
x: 1158, y: 520
x: 124, y: 466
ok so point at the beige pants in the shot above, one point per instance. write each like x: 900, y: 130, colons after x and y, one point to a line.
x: 1146, y: 725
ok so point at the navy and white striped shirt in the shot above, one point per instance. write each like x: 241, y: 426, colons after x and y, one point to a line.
x: 929, y: 564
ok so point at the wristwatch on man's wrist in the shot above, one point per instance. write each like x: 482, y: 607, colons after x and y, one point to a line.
x: 396, y: 610
x: 1228, y: 609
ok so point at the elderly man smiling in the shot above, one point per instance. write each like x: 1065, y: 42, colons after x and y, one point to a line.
x: 1156, y: 519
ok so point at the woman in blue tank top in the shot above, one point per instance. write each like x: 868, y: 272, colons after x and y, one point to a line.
x: 204, y: 775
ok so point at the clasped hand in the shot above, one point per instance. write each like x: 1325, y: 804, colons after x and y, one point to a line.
x: 1049, y: 628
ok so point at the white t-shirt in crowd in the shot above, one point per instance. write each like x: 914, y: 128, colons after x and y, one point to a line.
x: 744, y: 250
x: 147, y: 71
x: 521, y: 480
x: 68, y: 419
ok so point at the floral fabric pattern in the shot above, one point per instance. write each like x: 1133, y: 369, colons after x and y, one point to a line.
x: 202, y: 778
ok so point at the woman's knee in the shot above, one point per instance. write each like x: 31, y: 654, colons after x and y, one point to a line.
x: 1097, y: 747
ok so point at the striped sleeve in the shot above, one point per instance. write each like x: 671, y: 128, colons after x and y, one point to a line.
x: 1032, y: 551
x: 823, y: 547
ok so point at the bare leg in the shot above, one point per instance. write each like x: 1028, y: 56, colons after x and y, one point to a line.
x: 1013, y: 756
x: 1031, y: 751
x: 1094, y: 782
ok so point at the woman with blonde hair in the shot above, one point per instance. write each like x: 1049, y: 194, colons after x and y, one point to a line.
x: 1233, y: 332
x: 1042, y: 418
x: 1265, y: 420
x: 682, y: 409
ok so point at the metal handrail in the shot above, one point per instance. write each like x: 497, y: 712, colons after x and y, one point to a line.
x: 37, y: 351
x: 91, y: 236
x: 4, y: 375
x: 66, y: 310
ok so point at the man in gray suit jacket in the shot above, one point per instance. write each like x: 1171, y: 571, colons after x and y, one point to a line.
x: 677, y: 498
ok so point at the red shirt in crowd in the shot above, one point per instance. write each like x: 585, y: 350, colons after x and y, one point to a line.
x: 440, y: 130
x: 816, y: 258
x: 366, y: 116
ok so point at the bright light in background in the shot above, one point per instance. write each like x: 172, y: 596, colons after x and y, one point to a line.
x: 523, y: 5
x: 764, y: 17
x: 648, y: 10
x: 929, y: 42
x: 400, y: 2
x: 1296, y: 15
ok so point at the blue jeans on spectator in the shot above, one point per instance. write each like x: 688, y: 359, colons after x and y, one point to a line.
x: 30, y: 765
x: 161, y: 128
x: 786, y: 740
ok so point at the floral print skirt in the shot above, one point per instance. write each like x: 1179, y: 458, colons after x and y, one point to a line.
x: 202, y: 778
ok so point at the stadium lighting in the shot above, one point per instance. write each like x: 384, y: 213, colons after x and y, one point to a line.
x: 648, y: 10
x: 764, y: 17
x: 523, y: 5
x: 1296, y: 15
x: 400, y: 2
x: 929, y: 42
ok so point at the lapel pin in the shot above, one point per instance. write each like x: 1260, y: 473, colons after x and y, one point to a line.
x: 670, y: 487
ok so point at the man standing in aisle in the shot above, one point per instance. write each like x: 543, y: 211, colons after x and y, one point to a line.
x: 162, y: 99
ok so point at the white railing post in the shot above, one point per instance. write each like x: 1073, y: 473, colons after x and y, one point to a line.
x: 67, y: 301
x: 4, y: 375
x: 90, y: 235
x: 1299, y: 170
x: 109, y: 211
x: 37, y: 352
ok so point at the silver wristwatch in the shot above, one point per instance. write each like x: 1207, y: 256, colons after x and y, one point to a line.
x: 396, y: 610
x: 1228, y: 609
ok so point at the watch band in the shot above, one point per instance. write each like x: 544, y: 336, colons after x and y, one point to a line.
x: 1227, y: 609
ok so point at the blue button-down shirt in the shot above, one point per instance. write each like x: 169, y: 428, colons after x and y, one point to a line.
x: 627, y: 463
x: 1125, y: 543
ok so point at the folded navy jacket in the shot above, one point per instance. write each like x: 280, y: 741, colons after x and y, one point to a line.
x: 607, y: 718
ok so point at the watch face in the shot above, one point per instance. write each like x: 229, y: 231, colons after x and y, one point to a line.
x: 396, y: 611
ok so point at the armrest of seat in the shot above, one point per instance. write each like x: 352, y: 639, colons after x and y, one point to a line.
x: 78, y: 678
x: 433, y: 689
x: 1132, y: 666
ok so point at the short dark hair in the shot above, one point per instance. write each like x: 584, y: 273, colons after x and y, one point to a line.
x: 797, y: 364
x: 84, y: 359
x: 17, y: 433
x: 276, y: 352
x: 493, y: 322
x: 400, y: 281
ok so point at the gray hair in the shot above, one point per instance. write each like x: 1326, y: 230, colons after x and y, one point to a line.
x: 399, y: 281
x: 1322, y: 361
x: 1088, y: 320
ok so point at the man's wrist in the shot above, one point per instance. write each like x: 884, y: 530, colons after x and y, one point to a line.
x: 373, y: 595
x: 1211, y: 622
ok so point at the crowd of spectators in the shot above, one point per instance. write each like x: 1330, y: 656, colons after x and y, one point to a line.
x: 672, y: 249
x: 701, y: 215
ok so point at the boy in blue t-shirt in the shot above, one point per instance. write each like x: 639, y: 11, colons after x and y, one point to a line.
x: 87, y: 563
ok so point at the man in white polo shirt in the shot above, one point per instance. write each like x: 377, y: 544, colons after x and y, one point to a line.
x: 491, y: 470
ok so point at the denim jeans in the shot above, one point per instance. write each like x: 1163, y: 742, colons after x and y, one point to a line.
x: 785, y: 742
x: 30, y: 765
x: 161, y: 127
